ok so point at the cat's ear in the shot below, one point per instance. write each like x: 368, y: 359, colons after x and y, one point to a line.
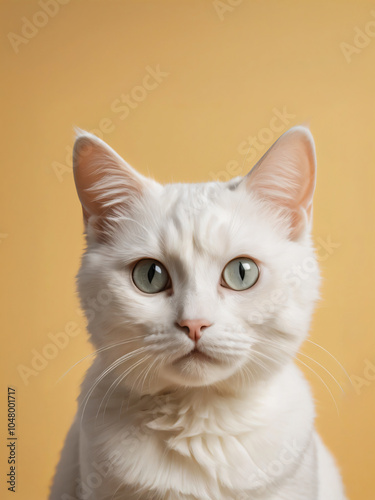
x: 285, y: 178
x: 105, y: 182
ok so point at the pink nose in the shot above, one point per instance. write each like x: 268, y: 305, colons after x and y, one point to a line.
x: 195, y: 327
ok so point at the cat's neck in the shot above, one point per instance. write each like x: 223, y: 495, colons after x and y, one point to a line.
x: 173, y: 407
x: 232, y: 392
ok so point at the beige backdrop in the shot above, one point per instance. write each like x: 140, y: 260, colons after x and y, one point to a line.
x: 179, y: 88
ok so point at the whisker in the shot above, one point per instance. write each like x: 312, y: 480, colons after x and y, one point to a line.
x: 117, y: 382
x: 324, y: 368
x: 309, y: 367
x: 147, y: 372
x: 111, y: 367
x: 101, y: 349
x: 270, y: 342
x: 115, y: 493
x: 249, y: 373
x: 333, y: 357
x: 262, y: 365
x: 326, y: 386
x: 142, y: 375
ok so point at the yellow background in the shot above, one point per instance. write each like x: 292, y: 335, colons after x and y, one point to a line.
x: 226, y: 74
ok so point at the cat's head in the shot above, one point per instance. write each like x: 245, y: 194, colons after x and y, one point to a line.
x: 197, y: 284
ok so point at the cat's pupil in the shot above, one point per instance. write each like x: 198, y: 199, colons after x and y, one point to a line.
x: 242, y: 271
x: 151, y: 272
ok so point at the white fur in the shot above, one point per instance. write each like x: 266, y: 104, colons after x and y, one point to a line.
x: 239, y: 428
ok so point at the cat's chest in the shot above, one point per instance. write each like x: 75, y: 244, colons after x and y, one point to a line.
x: 199, y: 450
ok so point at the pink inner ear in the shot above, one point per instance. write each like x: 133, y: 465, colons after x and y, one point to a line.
x: 285, y: 176
x: 86, y: 155
x: 102, y: 177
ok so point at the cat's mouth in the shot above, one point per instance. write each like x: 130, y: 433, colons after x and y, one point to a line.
x: 195, y: 354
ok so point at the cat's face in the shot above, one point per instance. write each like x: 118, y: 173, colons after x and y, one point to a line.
x: 195, y: 284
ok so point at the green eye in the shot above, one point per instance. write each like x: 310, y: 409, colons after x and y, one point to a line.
x: 241, y: 273
x: 150, y: 276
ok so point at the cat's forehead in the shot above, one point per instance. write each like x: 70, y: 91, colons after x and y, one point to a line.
x: 192, y: 199
x: 195, y: 217
x: 208, y: 221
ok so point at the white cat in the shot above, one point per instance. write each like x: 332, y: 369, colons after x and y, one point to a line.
x: 196, y: 307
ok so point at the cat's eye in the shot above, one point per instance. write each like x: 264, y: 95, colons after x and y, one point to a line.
x: 150, y: 276
x: 241, y: 273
